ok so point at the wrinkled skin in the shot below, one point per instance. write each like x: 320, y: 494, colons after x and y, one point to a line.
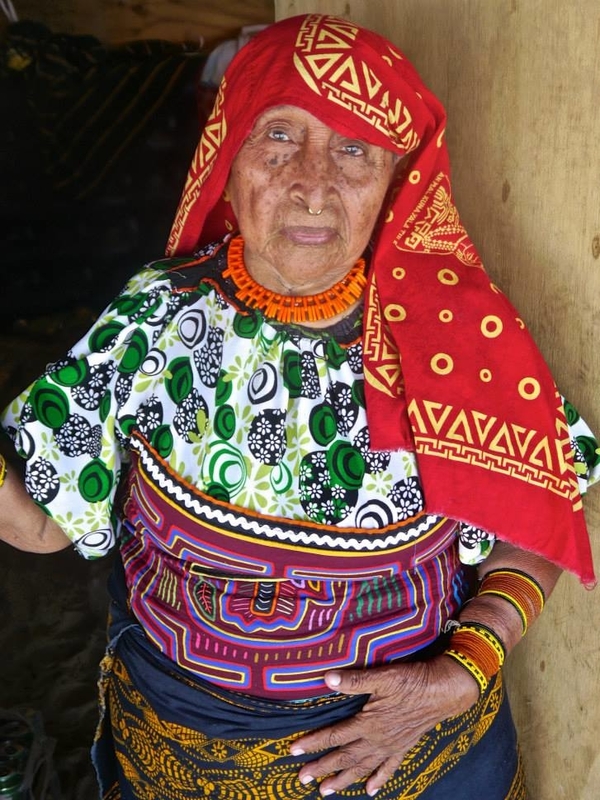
x: 405, y: 701
x: 292, y: 162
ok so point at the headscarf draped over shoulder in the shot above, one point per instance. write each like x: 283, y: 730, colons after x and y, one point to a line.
x: 451, y: 371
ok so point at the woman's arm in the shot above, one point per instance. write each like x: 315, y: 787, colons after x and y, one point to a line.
x: 23, y: 524
x: 407, y: 700
x: 496, y: 612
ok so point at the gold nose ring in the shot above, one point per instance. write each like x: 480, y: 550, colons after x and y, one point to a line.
x: 315, y: 213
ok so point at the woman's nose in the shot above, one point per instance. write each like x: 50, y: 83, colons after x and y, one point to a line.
x: 315, y: 176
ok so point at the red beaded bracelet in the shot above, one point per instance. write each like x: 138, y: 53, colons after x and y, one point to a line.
x: 519, y: 589
x: 477, y: 648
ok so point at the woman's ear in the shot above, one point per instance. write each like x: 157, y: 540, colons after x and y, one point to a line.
x: 228, y: 196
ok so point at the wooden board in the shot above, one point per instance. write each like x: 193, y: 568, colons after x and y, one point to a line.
x: 521, y: 82
x: 124, y: 20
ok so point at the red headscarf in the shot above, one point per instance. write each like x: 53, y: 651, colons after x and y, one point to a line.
x: 450, y: 369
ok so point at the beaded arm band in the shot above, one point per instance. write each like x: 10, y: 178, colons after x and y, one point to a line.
x: 477, y: 648
x: 2, y: 469
x: 519, y: 589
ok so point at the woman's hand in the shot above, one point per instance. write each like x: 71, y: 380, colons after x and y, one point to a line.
x: 406, y: 700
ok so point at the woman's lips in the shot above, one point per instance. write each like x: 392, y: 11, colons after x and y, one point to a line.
x: 309, y: 235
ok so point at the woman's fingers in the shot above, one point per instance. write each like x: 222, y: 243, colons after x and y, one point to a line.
x: 404, y: 702
x: 382, y: 775
x: 380, y: 681
x: 389, y: 689
x: 331, y: 738
x: 352, y: 764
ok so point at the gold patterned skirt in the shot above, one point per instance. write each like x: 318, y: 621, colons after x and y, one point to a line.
x: 166, y: 736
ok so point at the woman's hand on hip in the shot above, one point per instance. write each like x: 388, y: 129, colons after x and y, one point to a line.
x: 406, y: 701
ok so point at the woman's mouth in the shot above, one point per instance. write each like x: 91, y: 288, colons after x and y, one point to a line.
x: 310, y: 235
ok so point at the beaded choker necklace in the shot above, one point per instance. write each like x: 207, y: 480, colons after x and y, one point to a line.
x: 293, y: 308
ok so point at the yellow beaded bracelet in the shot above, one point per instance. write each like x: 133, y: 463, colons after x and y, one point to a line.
x: 477, y: 648
x: 2, y: 469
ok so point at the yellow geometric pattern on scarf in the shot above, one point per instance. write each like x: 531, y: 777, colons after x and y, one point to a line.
x: 470, y: 437
x: 213, y: 135
x: 435, y: 227
x: 325, y: 62
x: 162, y: 760
x: 379, y: 348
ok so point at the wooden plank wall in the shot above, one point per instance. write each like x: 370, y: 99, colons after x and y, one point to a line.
x: 521, y: 81
x: 115, y: 21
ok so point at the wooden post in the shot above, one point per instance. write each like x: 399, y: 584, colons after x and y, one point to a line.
x: 521, y: 82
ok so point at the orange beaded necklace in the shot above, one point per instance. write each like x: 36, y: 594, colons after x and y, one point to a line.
x: 293, y: 308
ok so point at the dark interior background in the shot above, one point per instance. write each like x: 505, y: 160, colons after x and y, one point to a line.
x: 94, y: 148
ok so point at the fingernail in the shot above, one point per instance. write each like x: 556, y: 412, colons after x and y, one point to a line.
x: 306, y: 779
x: 334, y: 679
x: 296, y: 751
x: 326, y: 792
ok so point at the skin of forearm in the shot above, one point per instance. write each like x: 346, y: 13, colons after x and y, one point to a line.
x: 23, y: 524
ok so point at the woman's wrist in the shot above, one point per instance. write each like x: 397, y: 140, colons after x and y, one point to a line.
x: 497, y: 615
x: 460, y: 689
x: 478, y: 650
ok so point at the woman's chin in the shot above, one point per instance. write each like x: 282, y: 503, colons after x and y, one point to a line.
x: 309, y: 263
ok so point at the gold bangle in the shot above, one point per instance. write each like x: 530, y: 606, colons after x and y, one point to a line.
x: 2, y: 469
x: 519, y: 589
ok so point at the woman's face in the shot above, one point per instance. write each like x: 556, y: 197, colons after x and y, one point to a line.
x: 292, y: 162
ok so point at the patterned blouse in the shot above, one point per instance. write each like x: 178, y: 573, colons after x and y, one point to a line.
x: 229, y: 455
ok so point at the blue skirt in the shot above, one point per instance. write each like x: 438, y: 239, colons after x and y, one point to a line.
x: 165, y: 735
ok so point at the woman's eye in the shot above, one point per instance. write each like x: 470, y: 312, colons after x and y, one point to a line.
x: 278, y: 135
x: 354, y: 149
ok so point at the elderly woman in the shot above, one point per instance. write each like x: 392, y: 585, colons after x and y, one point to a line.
x: 339, y: 474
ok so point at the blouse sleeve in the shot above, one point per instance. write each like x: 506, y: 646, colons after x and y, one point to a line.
x: 64, y: 423
x: 586, y: 449
x: 475, y: 544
